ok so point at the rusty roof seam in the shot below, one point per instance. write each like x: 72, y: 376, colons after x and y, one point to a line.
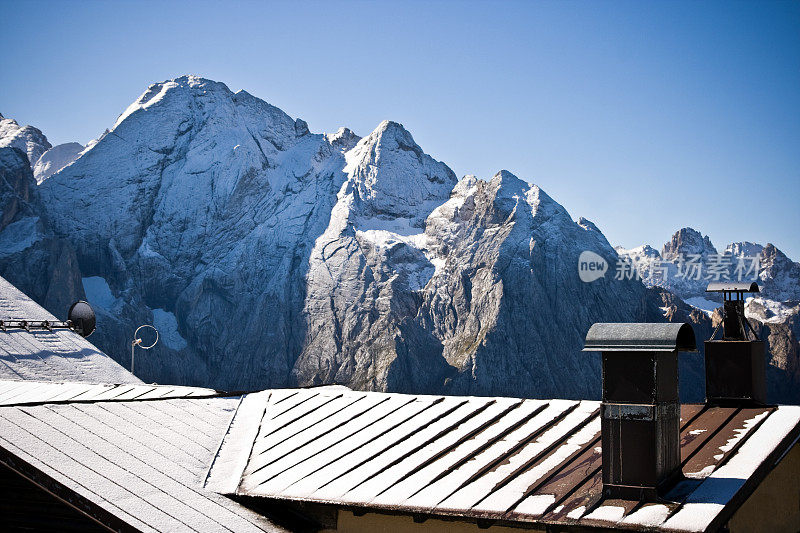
x: 709, y: 436
x: 310, y: 427
x: 570, y: 493
x: 438, y: 436
x: 328, y: 399
x: 487, y: 445
x: 292, y: 395
x: 272, y: 433
x: 392, y: 445
x: 304, y: 400
x: 552, y: 474
x: 541, y: 455
x: 308, y: 443
x: 516, y: 448
x: 468, y: 436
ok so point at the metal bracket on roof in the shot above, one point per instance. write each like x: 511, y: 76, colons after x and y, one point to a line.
x: 29, y: 325
x: 81, y: 320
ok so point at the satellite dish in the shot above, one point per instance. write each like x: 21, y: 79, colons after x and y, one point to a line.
x: 81, y: 316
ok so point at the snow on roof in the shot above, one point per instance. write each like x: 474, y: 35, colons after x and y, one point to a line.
x: 33, y: 392
x: 58, y: 355
x: 136, y: 465
x: 502, y: 459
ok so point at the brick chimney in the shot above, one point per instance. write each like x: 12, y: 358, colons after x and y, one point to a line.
x: 640, y: 411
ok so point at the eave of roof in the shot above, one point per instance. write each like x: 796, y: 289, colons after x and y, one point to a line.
x: 130, y: 464
x: 516, y: 461
x: 28, y: 392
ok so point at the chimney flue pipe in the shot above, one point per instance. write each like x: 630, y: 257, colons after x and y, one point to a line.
x: 640, y: 410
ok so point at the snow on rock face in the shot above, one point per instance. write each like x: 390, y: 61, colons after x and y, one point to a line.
x: 687, y: 241
x: 31, y: 256
x: 55, y: 159
x: 367, y: 268
x: 274, y: 256
x: 507, y: 303
x: 203, y: 203
x: 774, y: 311
x: 98, y: 293
x: 27, y: 138
x: 390, y: 177
x: 167, y: 326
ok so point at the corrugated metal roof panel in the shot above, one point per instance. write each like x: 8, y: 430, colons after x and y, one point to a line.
x: 58, y: 355
x: 482, y: 458
x: 34, y: 392
x: 142, y: 462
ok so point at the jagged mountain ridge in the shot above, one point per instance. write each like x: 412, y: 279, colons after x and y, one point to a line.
x: 774, y: 311
x: 43, y: 158
x: 273, y: 256
x: 31, y: 141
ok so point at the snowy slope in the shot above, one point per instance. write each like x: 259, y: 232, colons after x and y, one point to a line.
x: 27, y: 138
x: 273, y: 256
x: 775, y: 311
x: 55, y: 159
x: 38, y: 262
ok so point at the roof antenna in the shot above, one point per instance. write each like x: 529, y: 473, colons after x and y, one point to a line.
x: 137, y: 341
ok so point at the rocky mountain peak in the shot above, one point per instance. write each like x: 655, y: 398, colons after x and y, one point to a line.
x: 687, y: 241
x: 27, y: 138
x: 745, y: 248
x: 390, y: 176
x: 588, y: 225
x: 343, y: 139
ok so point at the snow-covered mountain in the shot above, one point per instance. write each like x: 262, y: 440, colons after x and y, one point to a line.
x: 774, y: 311
x: 41, y: 264
x: 30, y: 140
x: 270, y: 256
x: 55, y: 159
x: 43, y: 158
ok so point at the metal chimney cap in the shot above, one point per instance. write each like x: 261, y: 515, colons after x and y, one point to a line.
x: 640, y: 337
x: 727, y: 286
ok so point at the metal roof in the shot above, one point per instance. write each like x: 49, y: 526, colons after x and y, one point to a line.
x: 34, y: 392
x: 58, y: 355
x: 502, y: 459
x: 130, y: 464
x: 628, y: 337
x: 722, y: 286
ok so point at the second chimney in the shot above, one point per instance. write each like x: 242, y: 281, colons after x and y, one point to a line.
x: 735, y: 365
x: 640, y: 411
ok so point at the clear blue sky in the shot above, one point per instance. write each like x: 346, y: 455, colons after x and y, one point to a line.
x: 641, y: 116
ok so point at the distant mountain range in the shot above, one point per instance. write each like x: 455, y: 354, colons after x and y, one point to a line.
x: 271, y: 256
